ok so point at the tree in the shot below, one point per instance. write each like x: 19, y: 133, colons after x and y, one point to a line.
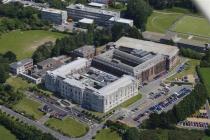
x: 131, y: 134
x: 139, y: 11
x: 119, y: 30
x: 205, y: 62
x: 161, y: 4
x: 43, y: 52
x: 3, y: 74
x: 10, y: 56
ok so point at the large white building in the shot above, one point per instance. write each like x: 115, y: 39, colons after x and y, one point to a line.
x: 92, y: 88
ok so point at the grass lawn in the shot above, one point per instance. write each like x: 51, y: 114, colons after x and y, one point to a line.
x: 19, y: 83
x: 205, y: 75
x: 29, y: 107
x: 68, y: 126
x: 161, y: 21
x: 130, y: 101
x: 180, y: 10
x: 107, y: 134
x: 5, y: 134
x: 206, y: 138
x: 24, y: 43
x: 190, y: 69
x: 193, y: 25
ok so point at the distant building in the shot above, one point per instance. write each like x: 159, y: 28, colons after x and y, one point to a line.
x: 86, y: 51
x: 102, y: 1
x: 85, y: 22
x: 54, y: 15
x: 152, y: 36
x: 100, y: 16
x: 97, y: 5
x: 123, y: 21
x: 21, y: 66
x: 191, y: 44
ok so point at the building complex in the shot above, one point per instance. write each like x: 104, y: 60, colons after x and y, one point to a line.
x: 92, y: 88
x: 112, y: 77
x: 142, y: 59
x: 99, y: 16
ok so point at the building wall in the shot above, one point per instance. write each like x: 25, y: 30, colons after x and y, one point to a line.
x: 56, y: 18
x: 120, y: 96
x: 101, y: 1
x: 21, y: 69
x: 99, y: 18
x: 72, y: 92
x: 153, y: 71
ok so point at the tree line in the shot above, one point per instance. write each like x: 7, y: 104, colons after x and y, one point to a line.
x: 96, y: 37
x: 5, y: 60
x: 16, y: 16
x: 138, y: 11
x: 133, y: 133
x: 191, y: 53
x: 163, y: 134
x: 205, y: 61
x: 21, y: 130
x: 163, y: 4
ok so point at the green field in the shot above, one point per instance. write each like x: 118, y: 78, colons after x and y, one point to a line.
x: 161, y: 21
x: 68, y: 126
x: 24, y: 43
x: 107, y: 134
x: 205, y: 75
x: 130, y: 101
x: 18, y: 83
x: 193, y: 25
x: 5, y: 134
x: 29, y: 107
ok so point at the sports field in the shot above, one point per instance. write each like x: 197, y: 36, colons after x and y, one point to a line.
x: 68, y: 126
x: 192, y: 25
x: 24, y: 43
x: 161, y: 21
x: 5, y: 134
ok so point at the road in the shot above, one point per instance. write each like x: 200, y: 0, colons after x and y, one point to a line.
x: 36, y: 124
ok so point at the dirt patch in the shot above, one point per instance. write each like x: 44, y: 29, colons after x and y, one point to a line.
x: 37, y: 43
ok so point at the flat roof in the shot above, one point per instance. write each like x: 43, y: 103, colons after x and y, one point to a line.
x: 153, y: 36
x: 191, y: 42
x: 21, y: 63
x: 93, y: 10
x: 147, y: 46
x: 95, y: 4
x: 86, y: 21
x: 66, y: 69
x: 51, y: 10
x: 114, y: 86
x: 122, y: 20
